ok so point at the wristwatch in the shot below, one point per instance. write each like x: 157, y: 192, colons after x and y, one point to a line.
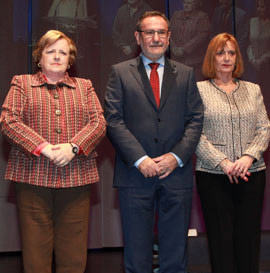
x: 75, y: 149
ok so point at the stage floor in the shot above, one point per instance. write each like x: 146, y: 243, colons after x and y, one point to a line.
x: 110, y: 260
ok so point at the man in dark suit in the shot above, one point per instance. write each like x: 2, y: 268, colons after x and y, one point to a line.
x: 154, y: 137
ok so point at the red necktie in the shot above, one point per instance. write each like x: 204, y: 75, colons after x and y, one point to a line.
x: 154, y: 81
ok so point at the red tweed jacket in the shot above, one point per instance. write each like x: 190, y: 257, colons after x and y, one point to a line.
x: 35, y: 112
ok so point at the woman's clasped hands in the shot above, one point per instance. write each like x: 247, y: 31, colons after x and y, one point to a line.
x: 60, y: 154
x: 237, y: 169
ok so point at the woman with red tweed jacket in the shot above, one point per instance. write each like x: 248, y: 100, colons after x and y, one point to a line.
x: 54, y: 123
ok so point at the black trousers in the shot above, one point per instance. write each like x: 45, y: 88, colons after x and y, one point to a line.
x: 232, y: 214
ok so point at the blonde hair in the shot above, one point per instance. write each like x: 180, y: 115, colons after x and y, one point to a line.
x: 219, y: 41
x: 48, y: 39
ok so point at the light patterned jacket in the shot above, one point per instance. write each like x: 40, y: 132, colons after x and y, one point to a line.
x: 235, y: 124
x: 35, y: 112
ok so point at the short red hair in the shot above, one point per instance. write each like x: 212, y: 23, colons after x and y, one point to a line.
x: 219, y: 41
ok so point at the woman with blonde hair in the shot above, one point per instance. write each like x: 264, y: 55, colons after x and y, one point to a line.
x: 54, y: 123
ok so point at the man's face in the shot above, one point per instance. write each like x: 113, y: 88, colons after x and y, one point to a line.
x: 153, y: 46
x: 189, y: 5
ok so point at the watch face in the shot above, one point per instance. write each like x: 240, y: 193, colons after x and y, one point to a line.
x: 75, y: 150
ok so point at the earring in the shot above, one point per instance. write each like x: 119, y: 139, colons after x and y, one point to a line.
x: 68, y: 67
x: 39, y: 65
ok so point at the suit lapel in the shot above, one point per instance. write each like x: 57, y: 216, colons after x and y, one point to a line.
x: 138, y: 71
x: 170, y: 73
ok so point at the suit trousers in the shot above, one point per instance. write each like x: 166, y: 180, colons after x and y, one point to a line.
x: 138, y: 212
x: 232, y: 214
x: 53, y: 221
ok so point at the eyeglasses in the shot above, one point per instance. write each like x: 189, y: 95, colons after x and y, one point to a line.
x: 149, y: 33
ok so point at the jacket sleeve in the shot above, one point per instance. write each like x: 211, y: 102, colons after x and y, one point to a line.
x: 12, y: 125
x: 125, y: 143
x: 193, y: 122
x: 262, y: 133
x: 93, y: 132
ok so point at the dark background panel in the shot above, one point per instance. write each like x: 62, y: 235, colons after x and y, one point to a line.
x: 93, y: 33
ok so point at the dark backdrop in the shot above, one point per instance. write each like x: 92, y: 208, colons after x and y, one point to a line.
x: 94, y: 30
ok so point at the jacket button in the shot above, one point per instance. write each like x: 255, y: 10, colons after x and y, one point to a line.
x: 158, y: 119
x: 58, y: 130
x: 58, y: 112
x: 156, y: 140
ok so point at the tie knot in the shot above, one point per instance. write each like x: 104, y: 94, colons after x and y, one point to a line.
x: 154, y: 65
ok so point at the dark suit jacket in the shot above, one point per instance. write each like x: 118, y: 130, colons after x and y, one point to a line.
x: 137, y: 127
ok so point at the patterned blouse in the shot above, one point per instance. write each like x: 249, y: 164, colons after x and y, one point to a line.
x: 235, y: 124
x: 35, y: 112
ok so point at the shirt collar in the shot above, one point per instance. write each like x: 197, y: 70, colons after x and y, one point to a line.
x: 40, y: 80
x: 146, y: 61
